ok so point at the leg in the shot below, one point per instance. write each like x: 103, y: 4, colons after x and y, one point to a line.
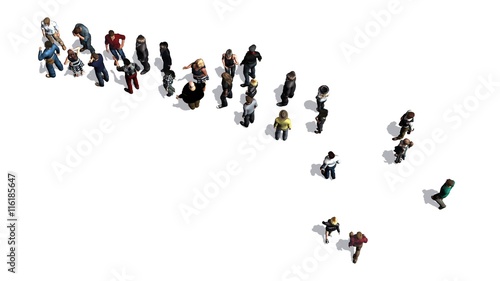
x: 332, y: 169
x: 252, y: 117
x: 439, y: 200
x: 99, y: 78
x: 223, y: 100
x: 326, y: 236
x: 50, y: 69
x: 284, y: 100
x: 58, y: 39
x: 146, y: 66
x: 121, y: 53
x: 356, y: 254
x: 114, y: 52
x: 319, y: 126
x: 230, y: 94
x: 197, y: 104
x: 58, y: 63
x: 105, y: 75
x: 50, y: 38
x: 327, y: 173
x: 252, y: 70
x: 136, y: 82
x: 192, y: 105
x: 277, y: 134
x: 402, y: 133
x: 89, y: 45
x: 232, y: 70
x: 246, y: 121
x: 285, y: 134
x: 128, y: 79
x: 246, y: 71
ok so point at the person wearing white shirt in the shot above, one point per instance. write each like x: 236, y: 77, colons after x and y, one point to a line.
x: 51, y: 31
x: 329, y: 165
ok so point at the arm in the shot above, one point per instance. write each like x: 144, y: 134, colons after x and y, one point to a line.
x: 259, y: 57
x: 204, y: 70
x: 187, y: 66
x: 289, y: 124
x: 67, y: 60
x: 43, y: 30
x: 123, y: 43
x: 244, y: 110
x: 235, y: 59
x: 106, y: 42
x: 338, y: 228
x: 40, y: 54
x: 224, y: 61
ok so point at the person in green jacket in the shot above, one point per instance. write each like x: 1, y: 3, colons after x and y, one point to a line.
x: 443, y: 193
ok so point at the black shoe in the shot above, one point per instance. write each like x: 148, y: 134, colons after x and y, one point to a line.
x: 440, y: 208
x: 126, y: 90
x: 144, y: 71
x: 326, y: 241
x: 243, y: 124
x: 244, y: 85
x: 394, y: 138
x: 317, y: 132
x: 280, y: 104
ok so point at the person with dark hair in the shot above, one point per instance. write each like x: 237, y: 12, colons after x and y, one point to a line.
x: 288, y: 89
x: 282, y: 124
x: 113, y: 44
x: 400, y: 150
x: 192, y: 93
x: 331, y: 225
x: 130, y: 69
x: 51, y: 31
x: 248, y: 111
x: 198, y: 70
x: 320, y: 120
x: 165, y: 56
x: 406, y: 123
x: 50, y: 55
x: 443, y: 193
x: 168, y: 80
x: 229, y: 61
x: 227, y: 89
x: 82, y: 32
x: 252, y: 88
x: 357, y: 241
x: 249, y: 62
x: 329, y: 165
x: 142, y: 53
x: 97, y: 62
x: 321, y: 97
x: 76, y: 64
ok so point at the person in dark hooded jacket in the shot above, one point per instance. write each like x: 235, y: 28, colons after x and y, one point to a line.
x: 192, y: 94
x: 249, y: 62
x: 288, y: 89
x: 142, y: 53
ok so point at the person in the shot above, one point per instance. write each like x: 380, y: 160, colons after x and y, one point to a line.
x: 82, y: 32
x: 142, y: 53
x: 97, y: 62
x: 192, y: 93
x: 248, y: 111
x: 282, y: 123
x: 51, y: 31
x: 227, y: 89
x: 443, y: 193
x: 320, y: 120
x: 406, y: 123
x: 249, y: 62
x: 113, y: 44
x: 357, y: 241
x: 199, y: 71
x: 288, y: 89
x: 331, y: 225
x: 229, y: 61
x: 401, y: 148
x: 130, y: 70
x: 165, y: 56
x: 76, y: 64
x: 168, y: 80
x: 50, y: 55
x: 252, y: 88
x: 329, y: 165
x: 323, y: 93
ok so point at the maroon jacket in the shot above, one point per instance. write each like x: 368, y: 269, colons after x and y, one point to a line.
x: 357, y: 242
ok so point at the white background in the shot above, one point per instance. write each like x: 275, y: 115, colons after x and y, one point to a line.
x: 115, y: 215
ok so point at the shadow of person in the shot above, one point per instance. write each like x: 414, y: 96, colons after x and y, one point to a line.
x: 388, y: 156
x: 217, y: 92
x: 182, y: 105
x: 428, y: 193
x: 392, y: 129
x: 237, y: 117
x: 315, y: 170
x: 42, y: 69
x: 311, y: 126
x: 219, y: 70
x: 278, y: 91
x: 159, y: 63
x: 343, y: 245
x: 186, y: 77
x: 270, y: 131
x: 320, y: 229
x: 310, y: 105
x: 162, y: 91
x: 239, y: 72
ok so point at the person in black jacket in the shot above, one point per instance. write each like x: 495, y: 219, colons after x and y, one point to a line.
x: 227, y: 89
x: 252, y: 88
x: 165, y: 56
x: 142, y: 53
x: 288, y: 89
x: 249, y: 62
x: 406, y: 123
x: 192, y: 94
x: 320, y: 120
x: 331, y: 225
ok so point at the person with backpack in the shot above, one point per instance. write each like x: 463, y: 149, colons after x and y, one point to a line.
x: 130, y: 70
x: 406, y: 123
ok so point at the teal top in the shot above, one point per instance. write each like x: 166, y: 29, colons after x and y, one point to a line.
x: 445, y: 190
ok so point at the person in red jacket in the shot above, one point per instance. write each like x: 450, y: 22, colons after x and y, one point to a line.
x: 114, y: 43
x: 357, y: 241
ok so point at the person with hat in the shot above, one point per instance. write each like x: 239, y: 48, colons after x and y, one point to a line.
x: 249, y: 62
x: 321, y: 97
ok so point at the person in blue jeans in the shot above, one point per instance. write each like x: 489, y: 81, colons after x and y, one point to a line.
x: 97, y: 62
x: 329, y: 165
x: 249, y: 62
x: 82, y: 32
x: 50, y: 56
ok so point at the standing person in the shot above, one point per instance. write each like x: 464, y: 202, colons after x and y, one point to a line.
x: 443, y: 193
x: 50, y: 55
x: 229, y: 61
x: 142, y: 53
x: 323, y: 93
x: 97, y: 62
x: 288, y: 89
x: 51, y: 31
x: 82, y: 32
x: 249, y: 62
x: 401, y: 148
x: 331, y: 225
x: 165, y: 56
x: 357, y: 241
x: 406, y: 123
x: 320, y: 120
x: 249, y: 111
x: 130, y: 70
x: 227, y: 89
x: 252, y: 88
x: 329, y: 165
x: 168, y: 80
x: 192, y: 93
x: 76, y: 64
x: 113, y: 44
x: 282, y: 123
x: 199, y: 71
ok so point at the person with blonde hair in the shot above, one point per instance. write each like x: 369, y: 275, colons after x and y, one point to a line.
x: 252, y: 88
x: 357, y: 241
x: 51, y: 31
x: 331, y: 225
x: 227, y: 89
x: 199, y: 71
x: 282, y: 124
